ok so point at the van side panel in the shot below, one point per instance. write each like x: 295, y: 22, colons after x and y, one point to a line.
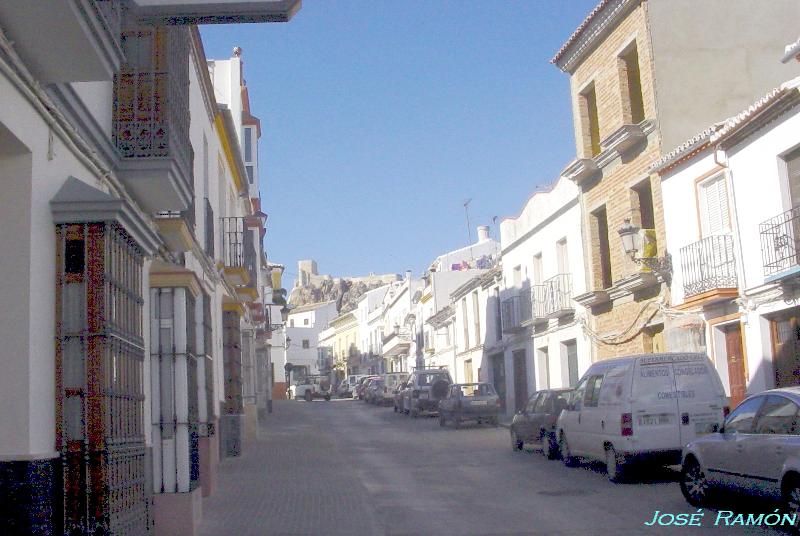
x: 701, y: 397
x: 654, y: 407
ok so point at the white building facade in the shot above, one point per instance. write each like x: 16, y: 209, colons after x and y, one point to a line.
x: 543, y: 268
x: 730, y: 206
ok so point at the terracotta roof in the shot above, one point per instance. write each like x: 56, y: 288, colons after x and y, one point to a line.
x: 685, y: 149
x: 579, y: 30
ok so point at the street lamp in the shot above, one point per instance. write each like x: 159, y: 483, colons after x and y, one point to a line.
x: 632, y: 244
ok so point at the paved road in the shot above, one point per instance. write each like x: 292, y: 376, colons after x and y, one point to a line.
x: 343, y: 467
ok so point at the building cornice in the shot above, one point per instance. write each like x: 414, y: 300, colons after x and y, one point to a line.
x: 201, y: 65
x: 600, y: 21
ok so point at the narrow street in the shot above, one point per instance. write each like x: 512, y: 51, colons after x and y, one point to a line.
x: 343, y: 467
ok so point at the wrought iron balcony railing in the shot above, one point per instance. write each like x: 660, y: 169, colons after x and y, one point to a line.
x: 708, y: 264
x: 780, y: 244
x: 510, y: 313
x: 558, y: 300
x: 238, y: 249
x: 538, y: 302
x: 151, y: 97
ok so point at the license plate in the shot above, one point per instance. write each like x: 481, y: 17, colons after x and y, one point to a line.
x: 653, y: 420
x: 478, y: 403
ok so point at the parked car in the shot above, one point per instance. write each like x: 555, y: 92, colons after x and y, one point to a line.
x: 344, y: 390
x: 469, y: 402
x: 373, y: 394
x: 311, y: 387
x: 392, y: 382
x: 360, y: 389
x: 397, y: 400
x: 537, y: 422
x: 424, y: 389
x: 756, y: 451
x: 640, y: 408
x: 353, y: 381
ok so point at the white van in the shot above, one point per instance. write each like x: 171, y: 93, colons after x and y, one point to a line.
x: 641, y: 408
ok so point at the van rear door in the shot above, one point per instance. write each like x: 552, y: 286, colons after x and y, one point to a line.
x: 654, y: 404
x: 701, y: 397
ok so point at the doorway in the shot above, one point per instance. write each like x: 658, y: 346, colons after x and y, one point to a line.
x: 737, y: 375
x: 520, y: 380
x: 499, y: 378
x: 785, y: 335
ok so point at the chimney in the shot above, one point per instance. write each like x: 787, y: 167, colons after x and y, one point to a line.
x: 408, y: 275
x: 483, y: 233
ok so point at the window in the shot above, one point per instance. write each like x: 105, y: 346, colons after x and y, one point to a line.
x: 541, y: 403
x: 249, y: 170
x: 601, y: 252
x: 562, y: 257
x: 630, y: 79
x: 579, y: 393
x: 476, y: 317
x: 205, y: 167
x: 642, y: 201
x: 592, y: 396
x: 778, y: 416
x: 248, y: 144
x: 305, y: 321
x: 465, y: 321
x: 537, y: 269
x: 570, y: 352
x: 792, y: 160
x: 590, y: 126
x: 498, y: 318
x: 305, y: 344
x: 529, y: 408
x: 714, y: 212
x: 741, y: 420
x: 544, y: 367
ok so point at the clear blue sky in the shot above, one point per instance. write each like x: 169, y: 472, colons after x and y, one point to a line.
x: 380, y: 118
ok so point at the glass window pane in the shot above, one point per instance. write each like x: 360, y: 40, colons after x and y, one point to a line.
x: 777, y: 417
x: 741, y: 420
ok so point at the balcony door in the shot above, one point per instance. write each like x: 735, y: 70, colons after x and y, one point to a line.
x: 520, y: 380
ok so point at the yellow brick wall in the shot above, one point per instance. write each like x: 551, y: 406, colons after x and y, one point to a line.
x: 602, y: 67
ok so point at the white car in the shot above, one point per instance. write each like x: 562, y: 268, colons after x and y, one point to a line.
x: 643, y: 408
x: 756, y: 451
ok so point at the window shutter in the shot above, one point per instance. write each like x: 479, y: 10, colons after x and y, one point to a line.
x: 714, y: 206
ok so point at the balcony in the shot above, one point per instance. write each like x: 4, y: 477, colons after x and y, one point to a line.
x: 558, y: 302
x: 177, y: 228
x: 538, y: 303
x: 214, y: 11
x: 66, y: 40
x: 708, y: 268
x: 396, y: 343
x: 238, y: 253
x: 780, y: 245
x: 151, y: 117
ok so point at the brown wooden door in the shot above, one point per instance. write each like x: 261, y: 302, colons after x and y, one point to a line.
x: 786, y: 349
x: 736, y: 371
x: 520, y: 380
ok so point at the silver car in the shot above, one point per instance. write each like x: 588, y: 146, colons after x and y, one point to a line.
x: 757, y: 451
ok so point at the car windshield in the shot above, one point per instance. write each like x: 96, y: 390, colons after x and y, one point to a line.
x: 429, y: 378
x: 477, y: 389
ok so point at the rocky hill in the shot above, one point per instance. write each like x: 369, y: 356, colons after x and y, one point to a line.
x: 344, y: 291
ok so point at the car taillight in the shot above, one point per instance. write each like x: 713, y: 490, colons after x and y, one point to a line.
x: 415, y: 393
x: 726, y: 411
x: 626, y: 424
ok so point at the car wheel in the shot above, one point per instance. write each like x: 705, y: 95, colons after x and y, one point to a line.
x: 327, y: 398
x: 614, y: 465
x: 414, y: 413
x: 566, y: 454
x: 442, y: 420
x: 694, y: 485
x: 516, y: 444
x: 309, y: 396
x: 549, y: 446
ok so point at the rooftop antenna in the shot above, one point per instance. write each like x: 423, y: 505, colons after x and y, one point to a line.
x: 466, y: 211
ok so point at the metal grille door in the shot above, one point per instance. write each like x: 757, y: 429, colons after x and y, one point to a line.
x: 99, y: 360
